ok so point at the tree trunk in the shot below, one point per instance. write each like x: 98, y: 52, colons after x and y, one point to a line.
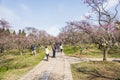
x: 105, y: 54
x: 99, y: 46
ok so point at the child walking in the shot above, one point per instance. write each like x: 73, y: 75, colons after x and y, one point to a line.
x: 47, y: 52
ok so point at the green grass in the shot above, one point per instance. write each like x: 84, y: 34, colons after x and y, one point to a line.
x: 70, y: 49
x: 13, y: 65
x: 96, y: 71
x: 91, y: 52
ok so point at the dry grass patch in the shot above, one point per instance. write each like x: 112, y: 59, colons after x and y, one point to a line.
x: 96, y: 71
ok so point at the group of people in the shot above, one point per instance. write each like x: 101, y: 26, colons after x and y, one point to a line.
x: 55, y: 48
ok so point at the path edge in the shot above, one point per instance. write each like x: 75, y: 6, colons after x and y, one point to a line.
x: 31, y: 71
x: 67, y: 73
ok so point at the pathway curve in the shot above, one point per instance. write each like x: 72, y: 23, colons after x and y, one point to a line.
x: 55, y: 69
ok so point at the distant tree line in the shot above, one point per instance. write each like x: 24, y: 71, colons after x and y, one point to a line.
x: 23, y: 39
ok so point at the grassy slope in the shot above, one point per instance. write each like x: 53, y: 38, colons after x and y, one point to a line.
x: 13, y: 65
x: 96, y: 71
x: 92, y: 52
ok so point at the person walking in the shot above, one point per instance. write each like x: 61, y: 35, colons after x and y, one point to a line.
x: 81, y: 50
x: 54, y: 50
x: 61, y: 48
x: 47, y: 52
x: 33, y: 50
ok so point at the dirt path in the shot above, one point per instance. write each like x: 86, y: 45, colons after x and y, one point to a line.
x: 55, y: 69
x: 73, y: 60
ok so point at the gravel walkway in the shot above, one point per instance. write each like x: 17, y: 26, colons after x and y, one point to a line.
x: 73, y: 60
x: 55, y: 69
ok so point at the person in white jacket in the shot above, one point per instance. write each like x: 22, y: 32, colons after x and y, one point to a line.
x: 61, y: 48
x: 47, y: 52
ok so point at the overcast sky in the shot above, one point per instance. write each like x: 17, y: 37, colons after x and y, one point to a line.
x: 49, y: 15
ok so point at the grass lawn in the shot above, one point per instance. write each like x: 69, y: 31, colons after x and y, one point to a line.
x: 96, y: 71
x: 91, y: 52
x: 13, y: 65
